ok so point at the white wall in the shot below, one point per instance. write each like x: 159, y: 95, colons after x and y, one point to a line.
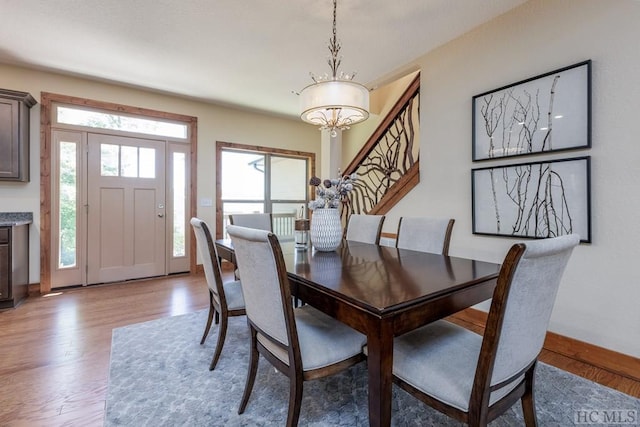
x: 599, y: 297
x: 215, y: 123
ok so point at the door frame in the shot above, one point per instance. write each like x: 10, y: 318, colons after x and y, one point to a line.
x: 46, y: 109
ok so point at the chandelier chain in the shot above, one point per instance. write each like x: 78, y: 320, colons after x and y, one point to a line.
x: 334, y: 45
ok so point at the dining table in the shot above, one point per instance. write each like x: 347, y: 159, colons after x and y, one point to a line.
x: 383, y: 292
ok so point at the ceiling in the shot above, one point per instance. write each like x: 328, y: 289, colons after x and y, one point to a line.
x: 250, y: 54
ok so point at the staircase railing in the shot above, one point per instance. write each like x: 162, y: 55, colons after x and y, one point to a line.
x: 387, y: 165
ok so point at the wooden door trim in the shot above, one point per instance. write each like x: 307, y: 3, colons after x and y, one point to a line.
x: 47, y: 100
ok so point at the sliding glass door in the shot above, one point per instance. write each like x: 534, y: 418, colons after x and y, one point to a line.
x: 259, y: 182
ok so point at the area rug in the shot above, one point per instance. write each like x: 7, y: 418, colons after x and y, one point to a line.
x: 159, y: 376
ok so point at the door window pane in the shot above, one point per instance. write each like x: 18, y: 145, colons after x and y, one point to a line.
x: 242, y: 176
x: 129, y: 161
x: 179, y: 202
x: 148, y: 162
x: 109, y: 154
x: 68, y: 204
x: 288, y: 178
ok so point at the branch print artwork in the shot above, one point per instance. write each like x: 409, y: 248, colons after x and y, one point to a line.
x: 546, y: 113
x: 536, y: 200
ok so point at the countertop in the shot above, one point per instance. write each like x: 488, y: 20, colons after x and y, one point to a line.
x: 11, y: 219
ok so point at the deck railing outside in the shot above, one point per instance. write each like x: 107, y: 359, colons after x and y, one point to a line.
x: 282, y: 224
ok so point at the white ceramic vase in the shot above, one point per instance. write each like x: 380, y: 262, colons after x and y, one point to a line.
x: 326, y: 229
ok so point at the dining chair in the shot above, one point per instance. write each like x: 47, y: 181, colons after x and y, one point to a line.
x: 261, y: 221
x: 364, y: 228
x: 303, y: 343
x: 475, y: 378
x: 425, y: 234
x: 225, y: 299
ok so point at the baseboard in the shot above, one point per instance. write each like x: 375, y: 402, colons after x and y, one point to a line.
x: 224, y: 266
x: 33, y: 289
x: 612, y: 361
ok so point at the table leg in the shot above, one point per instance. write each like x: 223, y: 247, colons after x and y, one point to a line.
x: 380, y: 365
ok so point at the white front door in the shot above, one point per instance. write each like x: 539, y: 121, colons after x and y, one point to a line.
x: 126, y: 208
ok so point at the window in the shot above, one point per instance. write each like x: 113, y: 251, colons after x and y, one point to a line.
x: 179, y: 190
x: 103, y: 120
x: 67, y: 255
x: 127, y: 161
x: 263, y: 181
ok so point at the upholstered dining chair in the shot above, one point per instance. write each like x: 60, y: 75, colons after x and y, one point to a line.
x: 475, y: 378
x: 364, y: 228
x: 261, y: 221
x: 225, y: 299
x: 303, y: 343
x: 425, y: 234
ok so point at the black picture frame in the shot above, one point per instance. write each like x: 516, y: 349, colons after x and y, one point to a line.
x: 533, y: 200
x: 546, y: 113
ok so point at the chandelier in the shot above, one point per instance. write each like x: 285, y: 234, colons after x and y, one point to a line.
x: 334, y: 101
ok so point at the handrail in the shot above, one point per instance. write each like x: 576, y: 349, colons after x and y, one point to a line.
x: 386, y: 165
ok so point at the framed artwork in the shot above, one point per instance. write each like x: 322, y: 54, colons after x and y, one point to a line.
x: 533, y: 200
x: 550, y: 112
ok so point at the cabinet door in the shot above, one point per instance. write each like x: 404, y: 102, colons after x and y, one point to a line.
x: 9, y: 139
x: 5, y: 269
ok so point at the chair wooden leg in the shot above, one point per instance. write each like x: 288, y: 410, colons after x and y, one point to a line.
x: 528, y: 400
x: 253, y: 369
x: 295, y: 400
x: 222, y: 333
x: 209, y: 319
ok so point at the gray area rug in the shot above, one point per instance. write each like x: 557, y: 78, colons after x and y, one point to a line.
x: 159, y: 376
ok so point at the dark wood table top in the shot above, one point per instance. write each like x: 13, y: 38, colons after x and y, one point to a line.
x: 384, y: 279
x: 378, y: 278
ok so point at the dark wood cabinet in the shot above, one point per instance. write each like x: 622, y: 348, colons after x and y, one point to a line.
x: 5, y: 263
x: 14, y: 135
x: 14, y: 264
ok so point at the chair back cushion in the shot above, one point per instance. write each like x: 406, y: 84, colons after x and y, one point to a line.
x: 365, y: 228
x: 206, y: 248
x: 424, y: 234
x: 261, y: 281
x: 530, y: 299
x: 261, y: 221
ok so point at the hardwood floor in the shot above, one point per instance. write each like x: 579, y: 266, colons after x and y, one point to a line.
x: 54, y: 351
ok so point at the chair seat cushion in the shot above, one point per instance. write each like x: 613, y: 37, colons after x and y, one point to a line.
x: 440, y: 360
x: 323, y: 340
x: 233, y: 294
